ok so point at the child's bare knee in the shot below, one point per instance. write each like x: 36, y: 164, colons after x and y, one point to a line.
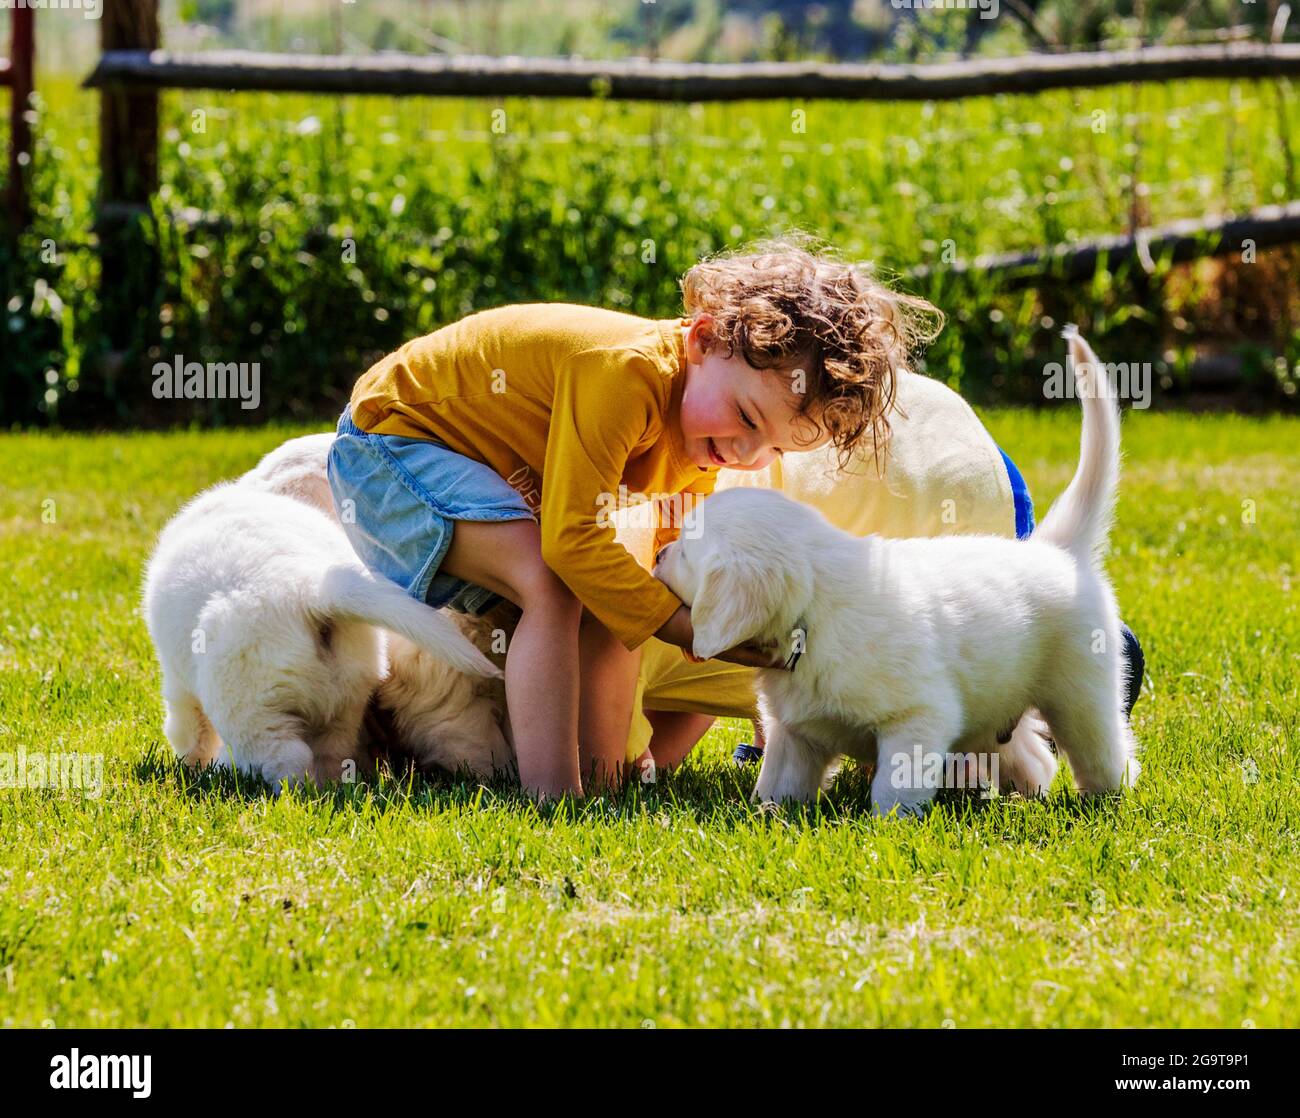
x: 540, y: 588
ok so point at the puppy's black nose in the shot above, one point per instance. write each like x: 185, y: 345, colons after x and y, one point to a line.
x: 659, y: 555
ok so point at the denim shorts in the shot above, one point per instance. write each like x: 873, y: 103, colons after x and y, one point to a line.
x: 398, y: 500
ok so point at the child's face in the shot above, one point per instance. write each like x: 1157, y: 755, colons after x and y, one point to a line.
x: 734, y: 415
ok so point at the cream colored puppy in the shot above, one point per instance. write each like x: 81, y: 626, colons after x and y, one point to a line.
x: 940, y: 474
x: 919, y: 648
x: 443, y: 717
x: 265, y: 625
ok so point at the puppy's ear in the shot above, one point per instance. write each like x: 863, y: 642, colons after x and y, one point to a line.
x: 730, y: 606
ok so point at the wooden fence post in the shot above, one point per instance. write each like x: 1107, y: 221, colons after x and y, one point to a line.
x: 21, y: 72
x: 128, y: 160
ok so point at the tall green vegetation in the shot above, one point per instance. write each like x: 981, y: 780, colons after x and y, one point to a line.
x: 314, y: 234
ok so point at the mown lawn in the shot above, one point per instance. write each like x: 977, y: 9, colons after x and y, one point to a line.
x: 173, y: 901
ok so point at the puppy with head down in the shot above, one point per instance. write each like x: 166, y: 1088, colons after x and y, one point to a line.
x: 422, y: 708
x: 267, y: 631
x: 913, y: 649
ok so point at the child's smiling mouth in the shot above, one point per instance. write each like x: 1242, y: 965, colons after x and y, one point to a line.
x: 714, y: 456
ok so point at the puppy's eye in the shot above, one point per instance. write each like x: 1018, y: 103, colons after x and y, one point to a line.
x: 746, y: 420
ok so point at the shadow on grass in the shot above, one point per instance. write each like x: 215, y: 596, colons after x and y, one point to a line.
x: 701, y: 790
x: 706, y: 793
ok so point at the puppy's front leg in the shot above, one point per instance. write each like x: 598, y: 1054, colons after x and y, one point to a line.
x: 909, y: 767
x: 793, y: 766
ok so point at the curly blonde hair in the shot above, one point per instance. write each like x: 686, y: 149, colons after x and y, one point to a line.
x: 789, y: 305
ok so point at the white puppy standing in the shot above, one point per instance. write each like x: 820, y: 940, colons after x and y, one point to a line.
x: 924, y: 646
x: 265, y: 625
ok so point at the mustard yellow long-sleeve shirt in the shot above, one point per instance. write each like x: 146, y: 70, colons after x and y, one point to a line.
x: 568, y: 404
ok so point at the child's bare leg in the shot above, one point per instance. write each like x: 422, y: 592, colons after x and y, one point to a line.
x: 675, y: 735
x: 607, y: 688
x: 542, y: 658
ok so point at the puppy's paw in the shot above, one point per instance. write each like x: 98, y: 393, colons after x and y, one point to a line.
x: 899, y: 809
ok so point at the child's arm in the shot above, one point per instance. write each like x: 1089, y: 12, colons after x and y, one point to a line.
x: 603, y: 410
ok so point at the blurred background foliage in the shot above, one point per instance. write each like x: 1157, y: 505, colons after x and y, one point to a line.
x: 314, y: 234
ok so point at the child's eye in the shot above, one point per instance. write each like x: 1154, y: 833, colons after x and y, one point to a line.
x: 747, y: 421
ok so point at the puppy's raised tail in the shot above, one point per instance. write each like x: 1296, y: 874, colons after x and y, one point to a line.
x: 1080, y: 519
x: 357, y: 594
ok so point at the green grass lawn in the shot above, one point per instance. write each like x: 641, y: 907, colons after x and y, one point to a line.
x: 169, y: 900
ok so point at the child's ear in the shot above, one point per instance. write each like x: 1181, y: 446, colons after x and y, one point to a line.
x: 699, y: 338
x: 728, y: 608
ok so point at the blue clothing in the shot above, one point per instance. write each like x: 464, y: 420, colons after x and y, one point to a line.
x: 1020, y: 494
x: 398, y: 500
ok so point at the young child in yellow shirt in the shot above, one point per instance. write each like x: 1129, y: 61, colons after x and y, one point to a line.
x: 482, y: 461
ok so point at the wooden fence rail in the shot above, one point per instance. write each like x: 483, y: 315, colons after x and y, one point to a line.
x: 635, y: 79
x: 1178, y: 242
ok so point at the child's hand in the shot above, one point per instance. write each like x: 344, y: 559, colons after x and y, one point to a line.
x: 677, y: 630
x: 754, y: 655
